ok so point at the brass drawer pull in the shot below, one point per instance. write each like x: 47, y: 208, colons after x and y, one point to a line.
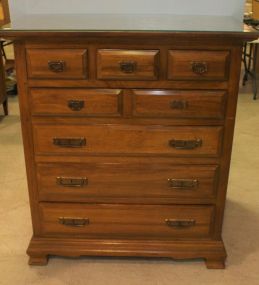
x: 180, y: 223
x: 57, y: 66
x: 128, y: 66
x: 74, y: 222
x: 71, y: 182
x: 69, y: 142
x: 179, y: 105
x: 184, y: 144
x: 76, y: 105
x: 183, y: 183
x: 199, y: 67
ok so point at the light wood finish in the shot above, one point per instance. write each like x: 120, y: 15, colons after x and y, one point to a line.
x: 4, y: 12
x: 178, y: 104
x: 211, y: 250
x: 121, y: 221
x: 38, y: 260
x: 73, y: 63
x: 90, y: 103
x: 129, y: 145
x: 127, y: 64
x: 214, y: 263
x: 128, y: 139
x: 180, y: 65
x: 135, y: 182
x: 255, y: 9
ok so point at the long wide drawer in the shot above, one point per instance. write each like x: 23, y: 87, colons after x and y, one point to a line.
x: 76, y: 102
x: 126, y: 221
x: 131, y: 181
x: 127, y: 139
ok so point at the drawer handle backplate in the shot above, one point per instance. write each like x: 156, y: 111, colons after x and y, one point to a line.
x: 76, y: 105
x: 185, y: 144
x: 179, y: 104
x: 57, y: 66
x: 180, y: 223
x: 199, y: 68
x: 69, y: 142
x: 128, y: 66
x: 71, y: 181
x: 183, y: 183
x: 74, y: 222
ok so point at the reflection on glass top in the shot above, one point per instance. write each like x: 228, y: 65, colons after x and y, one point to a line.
x: 126, y: 22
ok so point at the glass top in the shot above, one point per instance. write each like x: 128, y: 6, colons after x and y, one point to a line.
x: 126, y: 22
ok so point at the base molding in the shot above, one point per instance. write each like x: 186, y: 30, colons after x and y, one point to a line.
x: 212, y: 251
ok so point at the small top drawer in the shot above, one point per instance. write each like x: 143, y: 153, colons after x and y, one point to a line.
x: 57, y: 63
x: 127, y: 64
x: 198, y: 65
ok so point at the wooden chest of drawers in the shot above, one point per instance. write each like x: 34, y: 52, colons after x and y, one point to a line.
x: 127, y: 141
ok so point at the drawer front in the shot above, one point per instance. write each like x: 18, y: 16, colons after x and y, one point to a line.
x: 57, y: 63
x: 127, y: 64
x: 179, y: 104
x: 124, y: 221
x: 82, y: 102
x: 79, y: 182
x: 198, y: 65
x: 127, y: 139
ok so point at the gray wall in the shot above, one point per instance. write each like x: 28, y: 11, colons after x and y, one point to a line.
x: 180, y: 7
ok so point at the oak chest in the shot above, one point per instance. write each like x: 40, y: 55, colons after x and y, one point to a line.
x: 127, y: 140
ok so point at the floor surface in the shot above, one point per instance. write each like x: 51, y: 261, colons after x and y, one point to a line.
x: 241, y: 226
